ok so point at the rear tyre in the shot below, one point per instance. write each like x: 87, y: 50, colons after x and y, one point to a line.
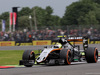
x: 28, y: 55
x: 91, y: 55
x: 66, y: 55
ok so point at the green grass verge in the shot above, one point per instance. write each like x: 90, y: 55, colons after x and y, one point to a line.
x: 99, y: 54
x: 11, y: 57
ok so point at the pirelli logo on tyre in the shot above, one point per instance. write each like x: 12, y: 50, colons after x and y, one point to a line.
x: 42, y: 42
x: 7, y: 43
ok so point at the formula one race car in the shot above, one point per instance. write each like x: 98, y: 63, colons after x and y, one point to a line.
x: 64, y: 54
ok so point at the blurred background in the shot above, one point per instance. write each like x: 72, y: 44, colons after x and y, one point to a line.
x: 81, y: 18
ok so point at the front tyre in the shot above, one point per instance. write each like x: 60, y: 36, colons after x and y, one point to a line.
x: 91, y: 55
x: 29, y: 58
x: 66, y: 55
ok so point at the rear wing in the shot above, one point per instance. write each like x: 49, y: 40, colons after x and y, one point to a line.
x: 83, y: 40
x: 75, y: 39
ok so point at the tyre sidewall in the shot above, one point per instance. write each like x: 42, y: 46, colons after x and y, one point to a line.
x: 64, y: 54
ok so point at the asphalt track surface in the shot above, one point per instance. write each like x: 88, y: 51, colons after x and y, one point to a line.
x: 82, y: 68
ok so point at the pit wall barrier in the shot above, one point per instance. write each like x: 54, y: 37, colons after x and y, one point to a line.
x: 24, y: 44
x: 94, y: 42
x: 7, y: 43
x: 33, y: 43
x: 40, y: 42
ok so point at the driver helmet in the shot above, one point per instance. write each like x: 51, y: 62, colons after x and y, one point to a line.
x: 58, y: 45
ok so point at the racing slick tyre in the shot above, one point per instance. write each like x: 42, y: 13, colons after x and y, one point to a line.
x: 28, y: 56
x: 91, y: 55
x: 66, y: 55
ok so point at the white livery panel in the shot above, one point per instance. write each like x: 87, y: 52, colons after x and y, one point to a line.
x: 44, y: 54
